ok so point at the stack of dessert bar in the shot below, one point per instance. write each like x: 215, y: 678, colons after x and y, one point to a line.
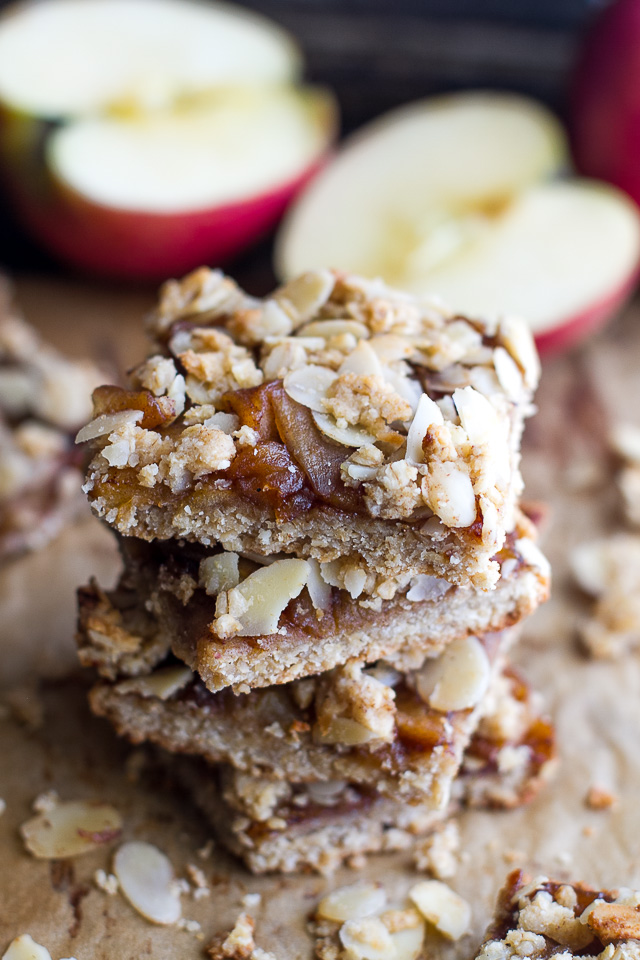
x: 325, y: 562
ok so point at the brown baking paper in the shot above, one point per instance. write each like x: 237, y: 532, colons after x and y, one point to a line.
x: 596, y: 706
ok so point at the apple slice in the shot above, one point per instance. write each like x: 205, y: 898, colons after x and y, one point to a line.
x: 442, y: 200
x: 158, y: 194
x: 564, y: 255
x: 432, y: 164
x: 65, y: 58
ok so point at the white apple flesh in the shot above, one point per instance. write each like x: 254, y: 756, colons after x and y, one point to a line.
x: 179, y: 134
x: 71, y: 58
x: 452, y: 198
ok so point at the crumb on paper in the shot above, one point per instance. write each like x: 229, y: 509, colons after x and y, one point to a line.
x: 513, y: 856
x: 599, y: 798
x: 106, y: 882
x: 205, y: 851
x: 46, y: 801
x: 26, y: 706
x: 437, y: 854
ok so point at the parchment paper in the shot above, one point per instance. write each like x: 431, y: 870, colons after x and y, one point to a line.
x: 596, y: 706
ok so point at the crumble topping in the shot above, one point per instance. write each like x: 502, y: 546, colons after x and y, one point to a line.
x: 437, y: 854
x: 553, y: 920
x: 609, y: 570
x: 422, y: 402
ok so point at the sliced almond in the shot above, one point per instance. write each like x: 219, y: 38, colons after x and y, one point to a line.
x: 458, y: 679
x: 146, y: 879
x: 108, y: 422
x: 162, y: 683
x: 625, y: 441
x: 516, y: 336
x: 508, y: 373
x: 427, y: 413
x: 71, y: 828
x: 448, y: 491
x: 425, y: 587
x: 408, y: 943
x: 308, y: 385
x: 24, y: 947
x: 265, y: 593
x: 348, y: 436
x: 406, y: 387
x: 335, y: 328
x: 354, y: 902
x: 477, y: 416
x: 390, y: 347
x: 366, y: 939
x: 302, y: 297
x: 319, y: 590
x: 362, y: 361
x: 442, y: 907
x: 326, y: 793
x: 345, y: 731
x: 219, y: 572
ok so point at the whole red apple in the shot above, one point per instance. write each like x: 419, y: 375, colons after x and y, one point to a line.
x: 605, y: 125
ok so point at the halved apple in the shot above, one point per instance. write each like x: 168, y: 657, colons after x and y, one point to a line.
x: 141, y: 138
x: 448, y: 198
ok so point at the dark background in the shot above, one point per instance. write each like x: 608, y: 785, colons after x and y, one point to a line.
x: 377, y: 54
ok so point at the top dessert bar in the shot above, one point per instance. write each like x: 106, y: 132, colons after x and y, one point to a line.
x: 548, y: 919
x: 43, y: 399
x: 337, y: 420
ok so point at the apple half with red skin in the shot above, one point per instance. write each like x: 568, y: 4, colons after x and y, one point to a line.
x: 455, y: 198
x: 182, y: 144
x: 605, y: 115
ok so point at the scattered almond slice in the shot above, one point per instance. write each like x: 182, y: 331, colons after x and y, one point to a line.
x: 162, y: 683
x: 71, y: 828
x: 219, y: 572
x: 108, y: 422
x: 308, y: 385
x: 354, y: 902
x: 24, y: 947
x: 442, y: 907
x: 458, y: 679
x: 335, y: 328
x: 146, y: 879
x: 408, y: 943
x: 362, y: 361
x: 449, y: 492
x: 348, y: 436
x: 427, y: 413
x: 366, y: 939
x: 625, y: 441
x: 302, y: 297
x: 265, y: 593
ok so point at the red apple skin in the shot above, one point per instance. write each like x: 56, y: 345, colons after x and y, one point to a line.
x: 577, y: 328
x: 137, y: 245
x: 127, y: 244
x: 605, y: 129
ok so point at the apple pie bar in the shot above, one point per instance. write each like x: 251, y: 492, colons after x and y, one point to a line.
x: 542, y: 919
x: 401, y: 734
x: 276, y: 826
x: 43, y: 399
x: 292, y: 622
x: 337, y: 421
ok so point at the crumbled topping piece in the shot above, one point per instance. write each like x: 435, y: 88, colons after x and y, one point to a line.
x: 71, y: 828
x: 146, y: 879
x: 354, y: 707
x: 599, y: 798
x: 442, y: 907
x: 609, y: 570
x: 107, y: 882
x: 437, y: 853
x: 219, y: 572
x: 239, y: 943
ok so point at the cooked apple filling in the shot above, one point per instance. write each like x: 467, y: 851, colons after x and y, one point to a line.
x: 334, y: 393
